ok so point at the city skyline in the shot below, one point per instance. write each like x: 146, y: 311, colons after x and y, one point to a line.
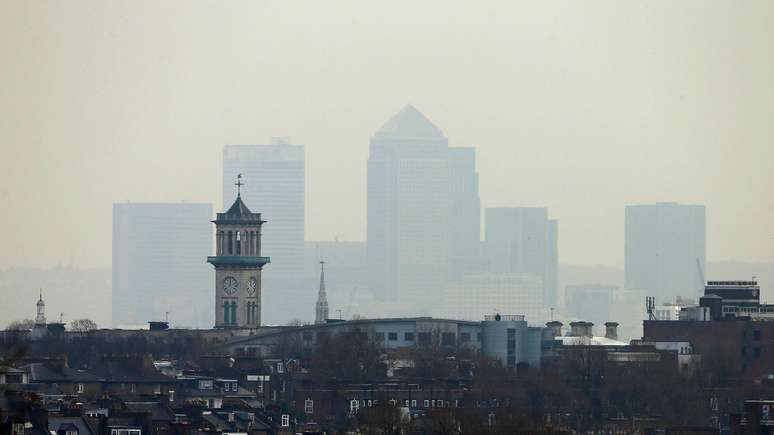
x: 583, y: 118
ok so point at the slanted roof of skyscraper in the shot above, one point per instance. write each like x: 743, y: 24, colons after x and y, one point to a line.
x: 410, y: 122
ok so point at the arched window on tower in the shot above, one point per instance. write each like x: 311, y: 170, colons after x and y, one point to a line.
x: 225, y: 313
x: 233, y: 313
x: 238, y: 244
x: 230, y: 244
x: 220, y: 243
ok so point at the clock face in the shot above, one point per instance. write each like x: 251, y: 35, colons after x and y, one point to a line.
x: 230, y: 285
x: 251, y: 285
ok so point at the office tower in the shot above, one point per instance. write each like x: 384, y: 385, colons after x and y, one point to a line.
x: 483, y: 293
x: 665, y: 250
x: 590, y: 303
x: 274, y: 184
x: 417, y: 187
x: 524, y: 240
x: 158, y: 266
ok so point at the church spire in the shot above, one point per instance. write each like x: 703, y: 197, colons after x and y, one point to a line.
x: 321, y: 307
x: 40, y: 319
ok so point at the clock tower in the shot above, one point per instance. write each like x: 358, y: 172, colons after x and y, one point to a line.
x: 238, y: 264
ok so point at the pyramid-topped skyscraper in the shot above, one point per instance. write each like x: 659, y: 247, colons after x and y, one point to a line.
x: 423, y: 211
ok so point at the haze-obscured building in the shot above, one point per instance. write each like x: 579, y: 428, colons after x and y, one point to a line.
x: 524, y: 240
x: 665, y: 250
x: 590, y: 302
x: 274, y: 177
x: 423, y: 211
x: 158, y: 266
x: 482, y: 293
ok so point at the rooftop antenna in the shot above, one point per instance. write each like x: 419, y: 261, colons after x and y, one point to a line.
x: 552, y: 314
x: 61, y: 317
x: 166, y: 316
x: 650, y: 306
x: 239, y: 185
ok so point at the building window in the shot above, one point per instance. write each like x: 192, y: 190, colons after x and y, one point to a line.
x: 424, y: 339
x: 413, y: 403
x: 757, y: 335
x: 354, y: 405
x: 79, y: 389
x: 392, y: 336
x: 409, y: 336
x: 259, y: 388
x: 427, y: 403
x: 132, y: 388
x: 280, y: 368
x: 71, y: 432
x: 285, y: 420
x: 464, y: 337
x: 478, y: 337
x: 230, y: 243
x: 309, y: 406
x: 234, y: 386
x: 238, y: 244
x: 756, y: 352
x: 227, y: 386
x: 448, y: 339
x: 307, y: 335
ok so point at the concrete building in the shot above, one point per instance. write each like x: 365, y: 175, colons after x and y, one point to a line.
x: 157, y: 264
x: 665, y: 250
x: 524, y: 240
x: 506, y: 338
x: 481, y: 293
x: 423, y: 211
x: 275, y: 175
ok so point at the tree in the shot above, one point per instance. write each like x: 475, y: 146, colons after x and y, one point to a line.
x: 83, y: 325
x: 383, y: 419
x: 20, y: 325
x: 347, y: 355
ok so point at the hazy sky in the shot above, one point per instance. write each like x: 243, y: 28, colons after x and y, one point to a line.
x: 580, y: 106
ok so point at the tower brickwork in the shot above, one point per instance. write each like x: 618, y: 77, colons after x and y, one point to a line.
x: 238, y: 265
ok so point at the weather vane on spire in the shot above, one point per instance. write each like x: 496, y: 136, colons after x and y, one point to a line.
x: 239, y: 184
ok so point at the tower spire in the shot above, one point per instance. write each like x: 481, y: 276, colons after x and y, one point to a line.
x: 40, y: 319
x: 321, y: 307
x: 239, y: 185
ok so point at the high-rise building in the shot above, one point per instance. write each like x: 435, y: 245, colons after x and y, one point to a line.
x: 590, y: 302
x: 274, y: 177
x: 423, y: 211
x: 158, y: 271
x: 665, y: 250
x: 523, y: 240
x: 238, y: 265
x: 482, y: 293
